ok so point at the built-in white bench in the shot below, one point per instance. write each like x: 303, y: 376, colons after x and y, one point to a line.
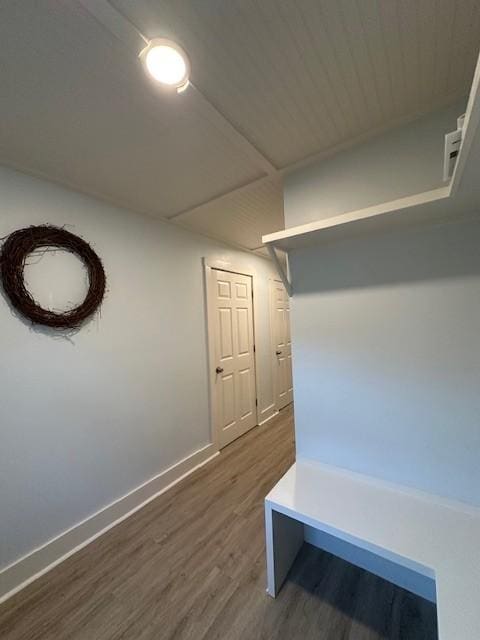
x: 437, y: 538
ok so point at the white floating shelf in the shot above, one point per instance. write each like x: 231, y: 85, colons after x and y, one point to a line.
x: 461, y: 196
x: 422, y: 206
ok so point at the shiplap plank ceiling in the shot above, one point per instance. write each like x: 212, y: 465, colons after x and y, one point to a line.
x: 75, y: 106
x: 251, y: 212
x: 277, y: 82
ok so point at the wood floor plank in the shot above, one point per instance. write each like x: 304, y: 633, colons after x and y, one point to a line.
x: 191, y: 566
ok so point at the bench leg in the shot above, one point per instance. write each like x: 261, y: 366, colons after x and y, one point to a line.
x: 284, y: 538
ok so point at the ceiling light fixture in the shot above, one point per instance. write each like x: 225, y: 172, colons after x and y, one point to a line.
x: 167, y: 63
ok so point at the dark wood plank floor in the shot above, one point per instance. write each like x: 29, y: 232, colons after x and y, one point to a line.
x: 191, y: 565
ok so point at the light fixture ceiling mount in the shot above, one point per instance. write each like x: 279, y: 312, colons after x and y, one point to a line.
x: 167, y: 63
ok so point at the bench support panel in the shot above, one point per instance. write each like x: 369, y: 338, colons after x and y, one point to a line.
x: 284, y: 539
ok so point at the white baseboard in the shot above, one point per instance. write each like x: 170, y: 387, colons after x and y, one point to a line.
x: 36, y: 563
x: 267, y: 414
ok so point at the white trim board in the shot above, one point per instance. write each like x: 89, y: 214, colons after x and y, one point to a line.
x: 268, y: 409
x: 35, y: 564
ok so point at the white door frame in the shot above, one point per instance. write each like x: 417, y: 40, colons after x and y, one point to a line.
x: 208, y: 265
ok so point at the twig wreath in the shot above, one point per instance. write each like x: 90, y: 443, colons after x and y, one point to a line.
x: 14, y: 253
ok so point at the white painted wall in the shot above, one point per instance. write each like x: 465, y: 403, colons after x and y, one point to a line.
x: 387, y: 357
x: 386, y: 329
x: 86, y: 420
x: 401, y: 162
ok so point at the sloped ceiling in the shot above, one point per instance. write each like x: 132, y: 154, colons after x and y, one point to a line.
x: 276, y: 83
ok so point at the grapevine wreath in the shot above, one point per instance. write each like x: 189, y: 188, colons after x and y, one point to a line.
x: 14, y: 252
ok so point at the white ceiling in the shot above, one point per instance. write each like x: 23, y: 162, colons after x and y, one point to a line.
x: 277, y: 82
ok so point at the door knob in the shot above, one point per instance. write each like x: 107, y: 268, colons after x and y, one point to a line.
x: 278, y: 353
x: 219, y: 369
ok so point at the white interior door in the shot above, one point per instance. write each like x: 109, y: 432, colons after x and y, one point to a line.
x: 235, y: 389
x: 282, y: 345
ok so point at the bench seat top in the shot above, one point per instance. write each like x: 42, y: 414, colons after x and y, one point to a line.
x: 437, y: 537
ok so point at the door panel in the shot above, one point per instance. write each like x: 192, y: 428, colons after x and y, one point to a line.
x: 243, y: 332
x: 224, y: 289
x: 282, y: 345
x: 235, y: 390
x: 226, y: 331
x: 242, y: 290
x: 227, y: 413
x: 245, y: 408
